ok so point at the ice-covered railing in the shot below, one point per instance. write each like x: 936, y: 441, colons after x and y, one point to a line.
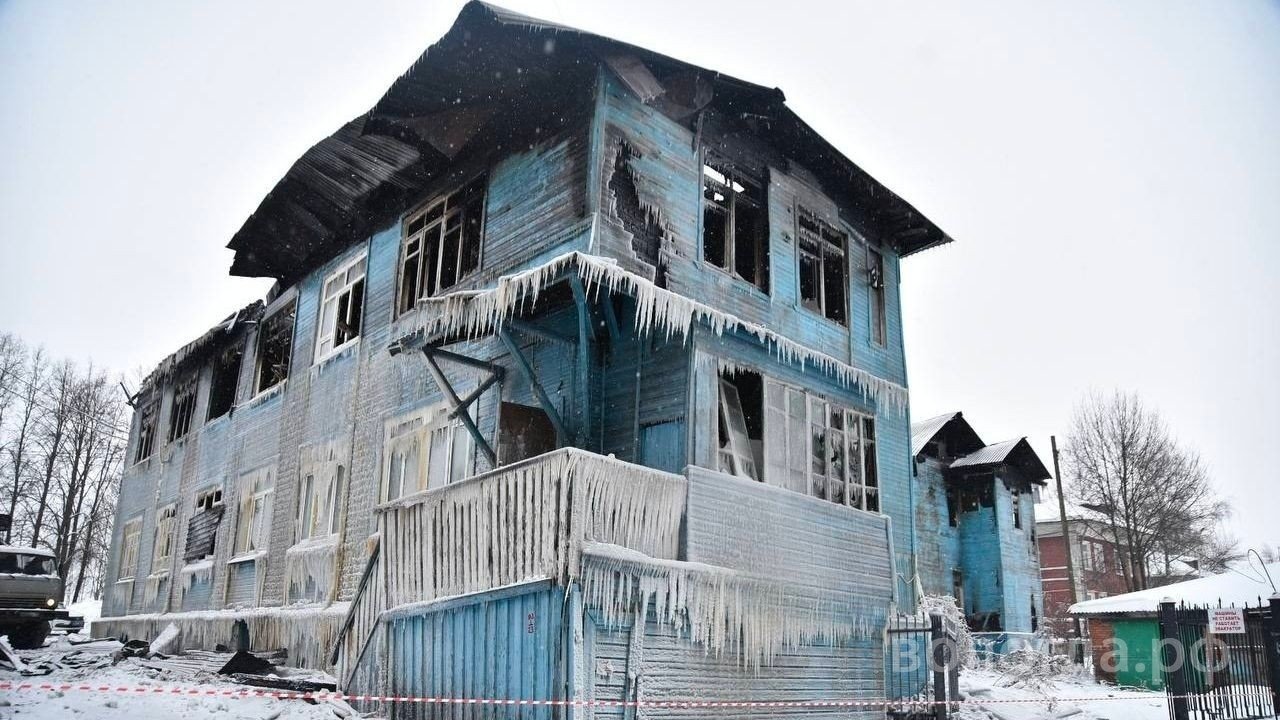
x: 523, y: 521
x: 474, y: 313
x: 729, y: 612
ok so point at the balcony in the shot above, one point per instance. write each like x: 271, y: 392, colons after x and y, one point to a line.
x: 524, y: 521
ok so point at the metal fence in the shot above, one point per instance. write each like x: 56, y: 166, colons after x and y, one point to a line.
x: 1231, y: 675
x: 922, y: 671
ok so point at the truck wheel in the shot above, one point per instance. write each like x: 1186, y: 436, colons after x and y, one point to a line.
x: 30, y: 636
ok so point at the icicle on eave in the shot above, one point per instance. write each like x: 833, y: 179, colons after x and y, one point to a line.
x: 474, y: 313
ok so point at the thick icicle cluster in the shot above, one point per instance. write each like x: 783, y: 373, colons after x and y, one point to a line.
x: 314, y: 559
x: 156, y: 582
x: 523, y: 521
x: 473, y: 313
x: 726, y: 611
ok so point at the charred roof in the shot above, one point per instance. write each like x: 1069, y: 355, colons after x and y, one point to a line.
x: 495, y: 79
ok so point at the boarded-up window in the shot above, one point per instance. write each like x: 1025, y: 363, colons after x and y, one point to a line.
x: 441, y: 244
x: 524, y: 433
x: 735, y: 221
x: 275, y: 347
x: 202, y: 529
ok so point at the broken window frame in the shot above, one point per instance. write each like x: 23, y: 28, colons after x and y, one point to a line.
x: 165, y: 537
x: 341, y: 308
x: 207, y: 500
x: 146, y: 433
x: 421, y: 274
x: 130, y: 542
x: 826, y: 247
x: 182, y: 409
x: 275, y: 331
x: 224, y: 370
x: 735, y: 453
x: 253, y: 522
x: 414, y: 435
x: 879, y: 321
x: 725, y: 186
x: 853, y: 431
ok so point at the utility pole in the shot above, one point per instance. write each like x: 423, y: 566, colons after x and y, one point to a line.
x: 1066, y: 544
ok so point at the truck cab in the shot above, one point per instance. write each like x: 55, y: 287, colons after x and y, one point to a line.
x: 30, y: 595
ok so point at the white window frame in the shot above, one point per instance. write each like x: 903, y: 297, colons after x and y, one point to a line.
x: 785, y: 447
x: 321, y: 489
x: 337, y: 284
x: 165, y: 537
x: 450, y: 204
x: 130, y: 540
x: 417, y: 431
x: 253, y: 522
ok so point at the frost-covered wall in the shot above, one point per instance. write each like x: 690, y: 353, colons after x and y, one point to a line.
x: 534, y: 206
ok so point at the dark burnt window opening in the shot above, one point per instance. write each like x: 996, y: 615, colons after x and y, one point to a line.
x: 146, y: 433
x: 224, y: 383
x: 875, y: 281
x: 441, y: 244
x: 642, y: 222
x: 824, y: 263
x: 1017, y: 510
x: 735, y: 222
x: 275, y: 347
x: 184, y: 406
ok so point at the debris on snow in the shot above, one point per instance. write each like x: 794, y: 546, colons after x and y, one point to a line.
x: 167, y: 642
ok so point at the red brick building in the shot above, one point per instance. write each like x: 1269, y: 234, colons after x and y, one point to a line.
x: 1099, y: 568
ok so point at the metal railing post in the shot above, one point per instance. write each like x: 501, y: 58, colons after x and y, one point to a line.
x: 1273, y: 651
x: 1174, y: 660
x: 938, y: 655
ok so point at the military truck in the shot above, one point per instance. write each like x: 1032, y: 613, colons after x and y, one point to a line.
x: 30, y: 595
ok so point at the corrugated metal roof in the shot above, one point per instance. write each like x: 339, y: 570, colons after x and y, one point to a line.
x: 993, y: 454
x: 1234, y: 587
x: 922, y: 432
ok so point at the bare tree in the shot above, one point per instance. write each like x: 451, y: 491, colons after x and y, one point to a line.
x: 1155, y: 495
x: 19, y: 439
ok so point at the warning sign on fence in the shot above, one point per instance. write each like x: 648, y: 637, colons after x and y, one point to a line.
x: 1226, y: 621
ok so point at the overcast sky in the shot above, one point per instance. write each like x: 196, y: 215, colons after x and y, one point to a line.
x: 1110, y: 173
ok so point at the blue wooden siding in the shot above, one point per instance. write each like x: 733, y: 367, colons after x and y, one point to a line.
x: 507, y: 644
x: 669, y: 667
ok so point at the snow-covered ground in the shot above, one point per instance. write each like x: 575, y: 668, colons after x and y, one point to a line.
x: 100, y: 689
x: 1069, y: 696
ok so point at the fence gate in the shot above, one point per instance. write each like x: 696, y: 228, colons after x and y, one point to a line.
x: 1231, y: 674
x: 922, y: 673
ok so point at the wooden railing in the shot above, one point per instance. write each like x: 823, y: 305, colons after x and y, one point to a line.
x: 362, y: 619
x: 525, y: 521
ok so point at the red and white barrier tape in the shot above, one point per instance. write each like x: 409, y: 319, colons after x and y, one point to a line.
x: 140, y: 690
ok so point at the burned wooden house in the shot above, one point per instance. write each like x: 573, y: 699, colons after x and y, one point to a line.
x: 582, y: 379
x: 977, y: 508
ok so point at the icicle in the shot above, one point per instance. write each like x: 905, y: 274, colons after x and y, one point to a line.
x: 473, y: 313
x: 727, y: 612
x: 315, y: 560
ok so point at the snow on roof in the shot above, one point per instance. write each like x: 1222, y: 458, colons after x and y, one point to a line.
x: 1234, y: 587
x: 25, y: 550
x: 1047, y: 511
x: 922, y: 432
